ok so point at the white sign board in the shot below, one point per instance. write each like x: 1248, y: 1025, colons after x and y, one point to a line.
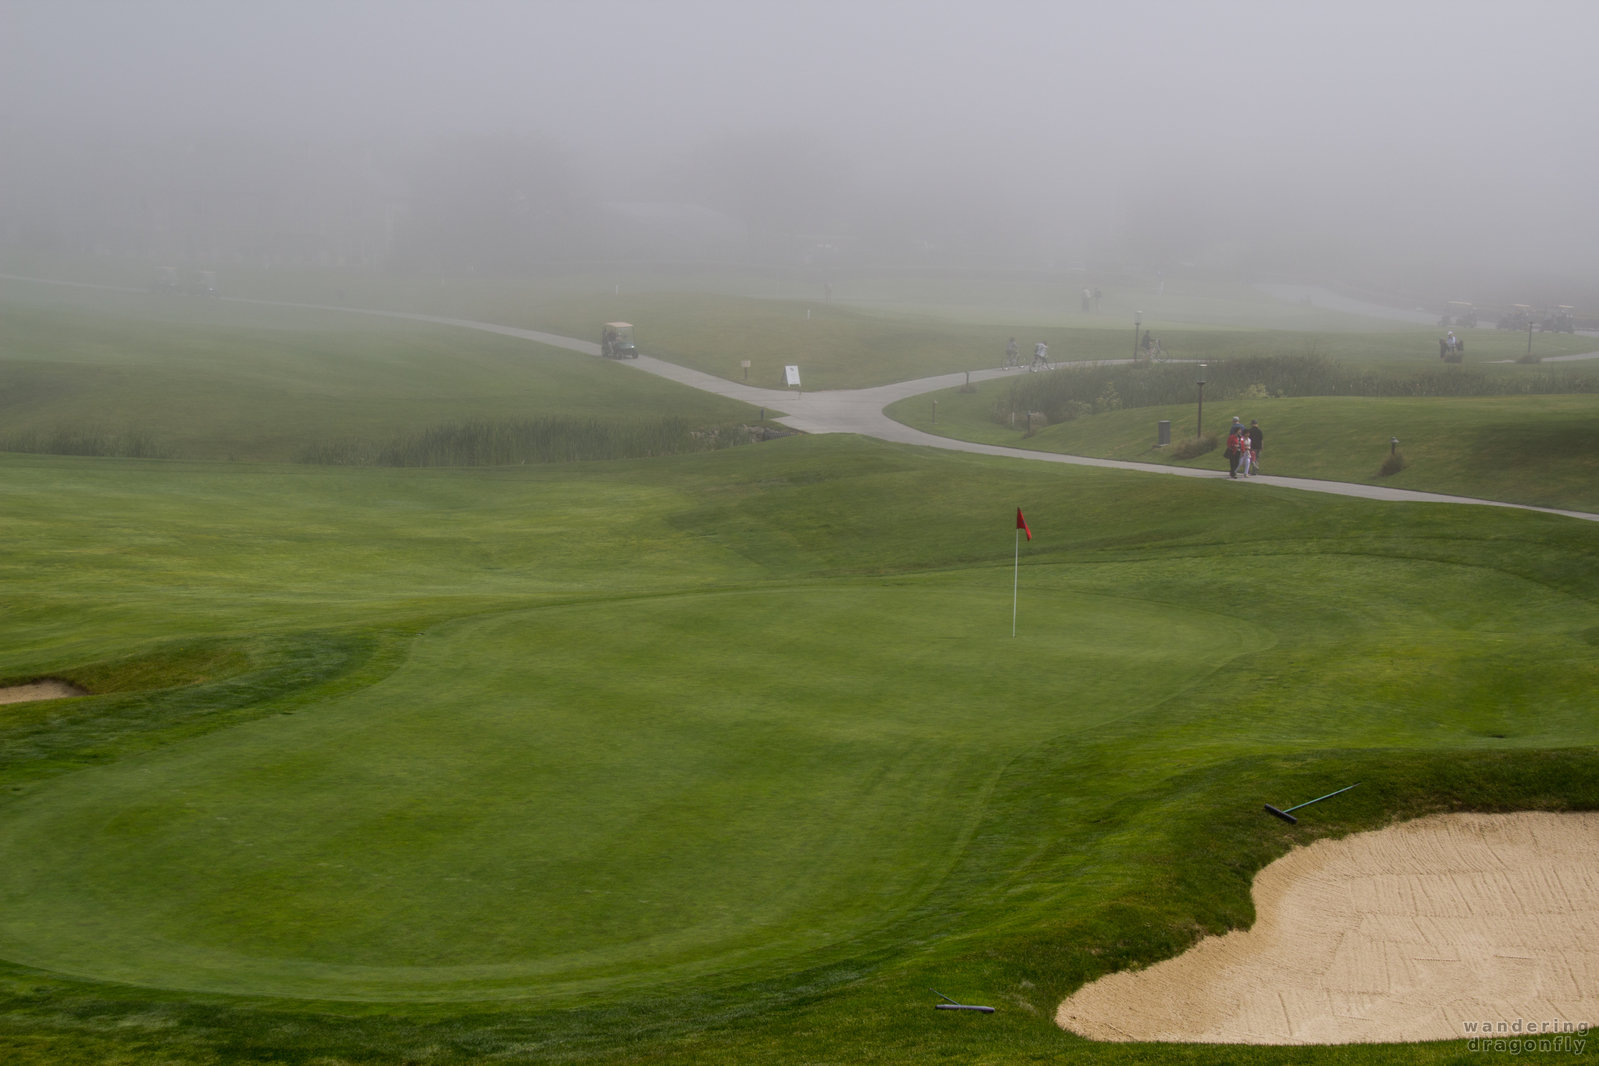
x: 791, y: 375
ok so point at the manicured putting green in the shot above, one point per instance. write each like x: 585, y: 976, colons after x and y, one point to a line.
x: 580, y: 798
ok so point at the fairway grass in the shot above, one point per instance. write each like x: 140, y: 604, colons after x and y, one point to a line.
x: 135, y: 374
x: 722, y: 757
x: 729, y: 755
x: 500, y: 817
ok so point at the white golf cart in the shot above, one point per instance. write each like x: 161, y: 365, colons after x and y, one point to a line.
x: 616, y: 341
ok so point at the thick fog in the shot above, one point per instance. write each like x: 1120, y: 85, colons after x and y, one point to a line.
x: 1425, y: 144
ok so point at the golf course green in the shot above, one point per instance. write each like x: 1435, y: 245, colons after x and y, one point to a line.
x: 701, y: 755
x: 587, y: 827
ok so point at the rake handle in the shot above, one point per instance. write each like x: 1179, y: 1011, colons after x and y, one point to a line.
x: 1318, y: 799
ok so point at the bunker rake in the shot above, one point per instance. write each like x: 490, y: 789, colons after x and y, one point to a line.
x: 1287, y: 815
x: 953, y: 1005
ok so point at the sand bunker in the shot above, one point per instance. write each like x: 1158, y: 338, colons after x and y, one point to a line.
x: 1425, y: 931
x: 40, y: 690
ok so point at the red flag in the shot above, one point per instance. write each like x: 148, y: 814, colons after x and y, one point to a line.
x: 1021, y: 524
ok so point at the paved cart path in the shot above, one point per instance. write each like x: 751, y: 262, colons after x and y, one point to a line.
x: 861, y: 410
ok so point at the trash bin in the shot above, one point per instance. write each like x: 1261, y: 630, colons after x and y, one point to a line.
x: 1163, y: 433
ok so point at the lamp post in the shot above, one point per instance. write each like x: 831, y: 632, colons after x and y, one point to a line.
x: 1199, y: 421
x: 1138, y: 320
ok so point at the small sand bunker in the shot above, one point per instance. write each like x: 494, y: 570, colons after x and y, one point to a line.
x: 40, y: 690
x: 1429, y: 930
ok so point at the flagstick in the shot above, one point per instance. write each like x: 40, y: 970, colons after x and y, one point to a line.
x: 1015, y: 582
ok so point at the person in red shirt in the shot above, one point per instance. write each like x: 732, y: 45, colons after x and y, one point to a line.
x: 1237, y: 438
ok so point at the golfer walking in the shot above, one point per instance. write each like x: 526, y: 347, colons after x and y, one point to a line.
x: 1236, y: 439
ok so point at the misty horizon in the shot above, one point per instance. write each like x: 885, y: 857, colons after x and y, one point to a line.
x: 1437, y: 144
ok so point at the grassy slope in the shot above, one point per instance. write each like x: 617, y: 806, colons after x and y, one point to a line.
x: 220, y: 611
x: 485, y: 773
x: 1399, y: 645
x: 877, y: 330
x: 210, y: 379
x: 1539, y: 450
x: 857, y: 344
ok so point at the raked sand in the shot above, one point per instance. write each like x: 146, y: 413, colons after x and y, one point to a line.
x: 39, y: 690
x: 1423, y: 931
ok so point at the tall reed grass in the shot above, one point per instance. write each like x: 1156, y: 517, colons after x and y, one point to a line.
x: 85, y: 440
x: 549, y: 439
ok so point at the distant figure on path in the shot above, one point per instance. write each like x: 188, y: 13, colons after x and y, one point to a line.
x: 1012, y: 354
x: 1040, y: 355
x: 1235, y: 446
x: 1256, y: 438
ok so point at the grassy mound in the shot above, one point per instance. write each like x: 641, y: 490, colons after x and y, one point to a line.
x: 547, y: 801
x: 1541, y: 450
x: 137, y: 377
x: 716, y: 757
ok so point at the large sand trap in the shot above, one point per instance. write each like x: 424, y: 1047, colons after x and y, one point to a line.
x: 1417, y: 932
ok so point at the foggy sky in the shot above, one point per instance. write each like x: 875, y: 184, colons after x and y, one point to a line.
x: 1460, y: 130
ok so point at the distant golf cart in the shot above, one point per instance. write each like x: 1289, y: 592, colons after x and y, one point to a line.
x: 1459, y: 313
x: 616, y: 342
x: 1519, y: 317
x: 1560, y: 319
x: 205, y: 283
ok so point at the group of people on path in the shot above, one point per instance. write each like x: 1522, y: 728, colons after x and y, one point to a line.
x: 1243, y: 448
x: 1243, y: 442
